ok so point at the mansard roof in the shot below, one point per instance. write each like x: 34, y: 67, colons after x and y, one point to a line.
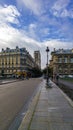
x: 63, y: 51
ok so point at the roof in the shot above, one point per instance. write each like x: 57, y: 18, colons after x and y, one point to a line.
x: 17, y: 49
x: 63, y: 51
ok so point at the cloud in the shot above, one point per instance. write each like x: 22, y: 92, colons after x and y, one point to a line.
x: 61, y: 9
x: 35, y: 6
x: 12, y: 36
x: 60, y: 4
x: 57, y: 44
x: 9, y: 14
x: 67, y: 13
x: 32, y: 30
x: 36, y: 31
x: 51, y: 18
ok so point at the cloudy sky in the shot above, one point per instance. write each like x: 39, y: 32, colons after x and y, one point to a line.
x: 36, y: 24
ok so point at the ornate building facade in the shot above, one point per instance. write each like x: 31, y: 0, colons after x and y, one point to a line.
x: 62, y: 61
x: 15, y: 60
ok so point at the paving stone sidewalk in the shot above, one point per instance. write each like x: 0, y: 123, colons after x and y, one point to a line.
x: 53, y: 111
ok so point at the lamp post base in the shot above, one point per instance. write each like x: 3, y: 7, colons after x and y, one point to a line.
x: 48, y: 85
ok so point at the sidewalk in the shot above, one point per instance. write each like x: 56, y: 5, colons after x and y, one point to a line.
x: 50, y: 109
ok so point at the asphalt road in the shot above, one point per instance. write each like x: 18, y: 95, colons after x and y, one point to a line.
x: 66, y: 83
x: 12, y: 99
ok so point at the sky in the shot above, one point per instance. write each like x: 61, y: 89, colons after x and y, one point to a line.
x: 36, y: 24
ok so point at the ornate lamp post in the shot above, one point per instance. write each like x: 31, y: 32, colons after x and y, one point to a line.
x: 47, y: 80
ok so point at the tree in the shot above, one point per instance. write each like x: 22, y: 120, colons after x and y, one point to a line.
x: 50, y: 71
x: 36, y: 72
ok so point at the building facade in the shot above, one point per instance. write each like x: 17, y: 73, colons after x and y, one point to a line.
x: 15, y: 60
x: 37, y: 58
x: 62, y: 61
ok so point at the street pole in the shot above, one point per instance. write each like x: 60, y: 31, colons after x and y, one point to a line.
x: 47, y: 80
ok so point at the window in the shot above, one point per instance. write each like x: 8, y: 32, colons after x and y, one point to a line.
x: 71, y: 71
x: 71, y: 60
x: 65, y: 60
x: 60, y: 60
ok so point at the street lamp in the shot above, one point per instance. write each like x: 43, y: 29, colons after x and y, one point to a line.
x: 47, y: 80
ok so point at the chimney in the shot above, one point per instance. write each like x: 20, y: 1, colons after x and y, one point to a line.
x: 54, y: 49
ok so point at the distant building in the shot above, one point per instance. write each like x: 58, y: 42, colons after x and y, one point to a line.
x: 62, y: 61
x: 14, y: 60
x: 37, y: 58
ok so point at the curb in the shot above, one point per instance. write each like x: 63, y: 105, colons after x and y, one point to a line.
x: 1, y: 83
x: 10, y: 82
x: 26, y: 122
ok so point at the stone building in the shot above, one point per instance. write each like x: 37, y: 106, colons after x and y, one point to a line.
x: 15, y: 60
x: 62, y: 61
x: 37, y: 58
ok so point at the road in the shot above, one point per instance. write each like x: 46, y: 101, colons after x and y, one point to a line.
x: 12, y: 99
x: 66, y: 83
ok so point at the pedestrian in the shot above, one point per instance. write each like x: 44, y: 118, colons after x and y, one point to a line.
x: 57, y: 78
x: 54, y: 77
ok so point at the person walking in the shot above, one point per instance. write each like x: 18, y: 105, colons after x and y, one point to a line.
x: 57, y: 78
